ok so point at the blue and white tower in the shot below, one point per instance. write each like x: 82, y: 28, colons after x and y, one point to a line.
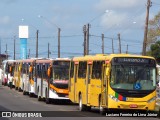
x: 23, y: 35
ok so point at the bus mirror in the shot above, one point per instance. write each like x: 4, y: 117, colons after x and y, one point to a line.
x: 49, y: 72
x: 10, y: 69
x: 107, y: 71
x: 30, y: 69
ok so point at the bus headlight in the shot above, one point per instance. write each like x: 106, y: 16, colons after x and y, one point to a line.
x: 53, y: 91
x: 113, y: 98
x: 151, y: 100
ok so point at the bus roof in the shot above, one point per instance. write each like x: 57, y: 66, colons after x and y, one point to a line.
x: 107, y: 57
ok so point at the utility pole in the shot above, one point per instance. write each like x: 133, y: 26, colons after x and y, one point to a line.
x: 127, y: 49
x: 14, y: 48
x: 102, y: 43
x: 37, y: 44
x: 59, y: 30
x: 119, y: 39
x: 48, y: 50
x: 112, y: 46
x: 88, y: 25
x: 85, y: 36
x: 146, y: 28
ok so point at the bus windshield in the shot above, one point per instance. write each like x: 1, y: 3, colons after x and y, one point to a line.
x: 133, y: 77
x: 60, y: 70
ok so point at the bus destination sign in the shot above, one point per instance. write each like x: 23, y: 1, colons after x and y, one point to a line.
x: 133, y: 60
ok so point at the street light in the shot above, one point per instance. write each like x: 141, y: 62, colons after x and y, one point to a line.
x: 106, y: 11
x: 59, y: 30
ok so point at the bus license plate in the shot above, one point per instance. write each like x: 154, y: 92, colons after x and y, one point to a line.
x: 133, y: 106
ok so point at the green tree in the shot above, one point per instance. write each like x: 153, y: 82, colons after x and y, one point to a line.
x: 153, y: 38
x: 155, y: 50
x: 153, y: 30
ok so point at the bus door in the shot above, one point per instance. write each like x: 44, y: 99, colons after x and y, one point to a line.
x: 27, y: 77
x: 88, y: 79
x: 42, y: 78
x: 104, y: 86
x: 35, y: 78
x: 74, y: 81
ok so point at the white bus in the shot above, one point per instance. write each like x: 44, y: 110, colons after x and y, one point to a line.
x: 52, y: 78
x: 6, y: 76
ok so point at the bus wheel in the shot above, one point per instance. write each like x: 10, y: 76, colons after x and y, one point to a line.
x: 30, y: 95
x: 24, y: 92
x: 101, y: 109
x: 88, y: 108
x: 39, y: 97
x: 19, y: 89
x: 47, y: 99
x: 16, y: 88
x: 81, y: 106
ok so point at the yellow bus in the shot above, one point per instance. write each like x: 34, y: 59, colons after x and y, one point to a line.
x: 17, y: 75
x: 115, y: 81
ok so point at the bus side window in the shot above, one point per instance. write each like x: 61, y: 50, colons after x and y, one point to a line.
x: 82, y: 69
x: 37, y: 70
x: 97, y: 70
x: 71, y: 69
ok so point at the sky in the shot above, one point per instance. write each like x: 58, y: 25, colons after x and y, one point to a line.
x: 108, y: 17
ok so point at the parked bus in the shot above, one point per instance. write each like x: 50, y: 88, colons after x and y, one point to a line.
x: 115, y: 81
x: 6, y: 77
x: 29, y: 80
x: 52, y: 79
x: 27, y: 85
x: 11, y: 66
x: 17, y: 74
x: 4, y: 73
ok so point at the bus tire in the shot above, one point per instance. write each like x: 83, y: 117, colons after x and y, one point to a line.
x: 81, y: 106
x: 30, y: 95
x: 39, y: 97
x: 24, y: 92
x: 88, y: 108
x: 19, y: 89
x: 47, y: 99
x: 101, y: 109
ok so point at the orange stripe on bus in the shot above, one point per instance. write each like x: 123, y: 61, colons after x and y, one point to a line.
x: 59, y: 90
x: 32, y: 82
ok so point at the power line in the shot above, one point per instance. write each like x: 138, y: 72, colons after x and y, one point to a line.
x: 154, y: 3
x: 128, y: 40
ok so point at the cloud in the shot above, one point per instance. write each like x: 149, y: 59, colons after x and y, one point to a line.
x: 4, y: 20
x: 122, y: 13
x: 113, y: 19
x: 119, y: 4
